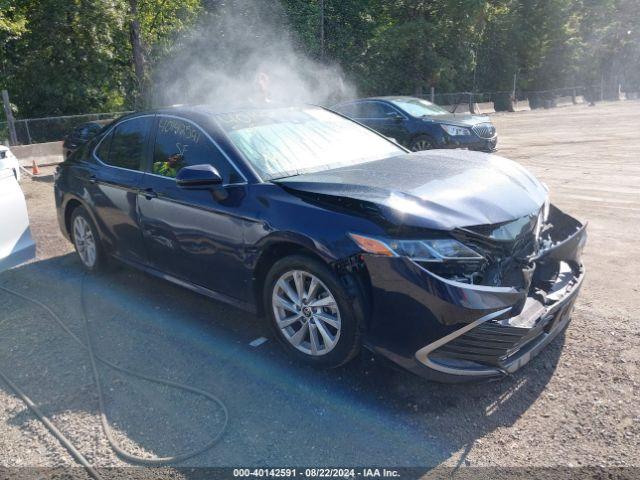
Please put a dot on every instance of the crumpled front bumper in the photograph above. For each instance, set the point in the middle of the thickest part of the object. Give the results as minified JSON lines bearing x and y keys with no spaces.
{"x":454,"y":332}
{"x":472,"y":142}
{"x":488,"y":347}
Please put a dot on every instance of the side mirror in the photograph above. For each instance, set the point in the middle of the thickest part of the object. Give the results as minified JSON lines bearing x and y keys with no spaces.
{"x":198,"y":176}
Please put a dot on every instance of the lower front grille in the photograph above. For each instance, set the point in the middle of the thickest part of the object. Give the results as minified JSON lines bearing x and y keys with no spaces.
{"x":492,"y":342}
{"x":484,"y":130}
{"x":489,"y":344}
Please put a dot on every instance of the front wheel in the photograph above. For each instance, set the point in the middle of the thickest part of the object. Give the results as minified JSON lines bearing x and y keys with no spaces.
{"x":311,"y":312}
{"x":421,"y":142}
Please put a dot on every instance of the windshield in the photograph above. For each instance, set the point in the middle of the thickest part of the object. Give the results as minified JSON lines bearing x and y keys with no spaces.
{"x":290,"y":141}
{"x":418,"y":107}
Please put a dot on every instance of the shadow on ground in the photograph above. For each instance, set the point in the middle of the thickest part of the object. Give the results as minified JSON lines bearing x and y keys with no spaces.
{"x":367,"y":413}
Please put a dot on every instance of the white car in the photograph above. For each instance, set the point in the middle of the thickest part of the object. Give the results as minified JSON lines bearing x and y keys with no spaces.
{"x":16,"y":243}
{"x":9,"y":160}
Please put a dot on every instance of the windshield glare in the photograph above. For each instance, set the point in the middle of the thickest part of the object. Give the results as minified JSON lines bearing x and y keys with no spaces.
{"x":418,"y":107}
{"x":284,"y":142}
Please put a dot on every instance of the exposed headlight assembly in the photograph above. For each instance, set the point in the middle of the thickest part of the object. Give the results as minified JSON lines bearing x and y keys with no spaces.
{"x":545,"y":209}
{"x":543,"y":216}
{"x":435,"y":250}
{"x":456,"y":131}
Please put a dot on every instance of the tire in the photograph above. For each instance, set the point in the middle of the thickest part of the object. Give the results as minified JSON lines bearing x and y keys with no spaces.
{"x":329,"y":292}
{"x":421,"y":142}
{"x":84,"y":234}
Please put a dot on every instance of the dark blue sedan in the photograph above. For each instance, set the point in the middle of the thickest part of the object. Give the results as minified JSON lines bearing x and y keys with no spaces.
{"x":421,"y":125}
{"x":451,"y":263}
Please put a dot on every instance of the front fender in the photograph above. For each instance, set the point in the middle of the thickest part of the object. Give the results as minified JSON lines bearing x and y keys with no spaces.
{"x":295,"y":238}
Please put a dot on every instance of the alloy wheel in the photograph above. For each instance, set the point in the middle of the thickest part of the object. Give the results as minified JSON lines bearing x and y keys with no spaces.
{"x":306,"y":312}
{"x":421,"y":144}
{"x":84,"y":241}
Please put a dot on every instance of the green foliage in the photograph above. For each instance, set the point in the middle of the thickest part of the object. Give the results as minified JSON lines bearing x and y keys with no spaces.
{"x":76,"y":56}
{"x":62,"y":60}
{"x":163,"y":20}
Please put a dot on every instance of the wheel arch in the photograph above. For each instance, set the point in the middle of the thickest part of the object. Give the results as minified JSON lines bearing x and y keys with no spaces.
{"x":274,"y":251}
{"x":356,"y":280}
{"x":70,"y":205}
{"x":422,"y":133}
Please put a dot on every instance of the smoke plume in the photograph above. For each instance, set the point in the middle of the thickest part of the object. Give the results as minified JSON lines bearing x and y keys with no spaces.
{"x":245,"y":51}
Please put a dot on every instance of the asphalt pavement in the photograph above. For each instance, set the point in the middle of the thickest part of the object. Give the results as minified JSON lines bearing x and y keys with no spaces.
{"x":574,"y":405}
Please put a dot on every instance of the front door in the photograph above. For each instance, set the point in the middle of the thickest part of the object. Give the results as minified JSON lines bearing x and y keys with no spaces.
{"x":383,"y":119}
{"x":193,"y":235}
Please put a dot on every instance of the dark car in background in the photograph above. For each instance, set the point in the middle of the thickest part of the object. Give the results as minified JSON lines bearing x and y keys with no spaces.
{"x":80,"y":135}
{"x":421,"y":125}
{"x":453,"y":264}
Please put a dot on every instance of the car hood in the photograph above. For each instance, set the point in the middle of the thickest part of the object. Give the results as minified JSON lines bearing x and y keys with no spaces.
{"x":461,"y":119}
{"x":437,"y":189}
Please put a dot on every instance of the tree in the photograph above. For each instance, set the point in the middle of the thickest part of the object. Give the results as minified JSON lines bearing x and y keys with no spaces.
{"x":153,"y":26}
{"x":78,"y":56}
{"x":13,"y":24}
{"x":418,"y":44}
{"x":63,"y":60}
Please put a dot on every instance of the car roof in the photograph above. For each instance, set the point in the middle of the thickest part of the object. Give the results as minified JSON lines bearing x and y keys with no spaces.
{"x":204,"y":112}
{"x":385,"y":98}
{"x":213,"y":109}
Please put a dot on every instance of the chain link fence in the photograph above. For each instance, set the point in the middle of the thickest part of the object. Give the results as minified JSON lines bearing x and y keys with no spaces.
{"x":52,"y":129}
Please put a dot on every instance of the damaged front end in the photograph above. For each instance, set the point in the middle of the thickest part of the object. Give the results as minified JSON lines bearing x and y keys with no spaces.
{"x":479,"y":317}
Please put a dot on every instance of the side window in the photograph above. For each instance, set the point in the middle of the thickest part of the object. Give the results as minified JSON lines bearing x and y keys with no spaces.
{"x":374,"y":110}
{"x":180,"y":144}
{"x":128,"y":143}
{"x":103,"y":150}
{"x":386,"y":110}
{"x":350,"y":110}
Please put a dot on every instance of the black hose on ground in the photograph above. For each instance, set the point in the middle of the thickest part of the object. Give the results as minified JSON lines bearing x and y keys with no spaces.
{"x":93,"y":358}
{"x":66,"y":443}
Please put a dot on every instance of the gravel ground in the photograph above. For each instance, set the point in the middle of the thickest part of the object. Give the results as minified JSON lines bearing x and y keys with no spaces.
{"x":574,"y":405}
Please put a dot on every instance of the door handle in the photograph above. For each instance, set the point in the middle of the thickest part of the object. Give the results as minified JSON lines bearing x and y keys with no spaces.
{"x":93,"y":179}
{"x":149,"y":193}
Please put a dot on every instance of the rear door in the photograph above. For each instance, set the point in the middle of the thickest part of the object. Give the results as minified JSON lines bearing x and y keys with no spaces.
{"x":193,"y":235}
{"x":113,"y":184}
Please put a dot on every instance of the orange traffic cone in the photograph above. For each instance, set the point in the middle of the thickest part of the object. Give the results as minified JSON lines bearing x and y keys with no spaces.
{"x":34,"y":168}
